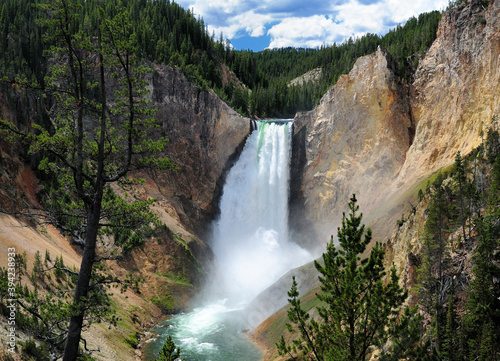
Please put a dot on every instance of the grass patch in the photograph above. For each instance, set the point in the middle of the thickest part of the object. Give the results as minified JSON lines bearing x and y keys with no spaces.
{"x":189,"y":254}
{"x":179,"y":279}
{"x":164,"y":300}
{"x":34,"y":352}
{"x":277,"y":328}
{"x":181,"y":240}
{"x":132,"y":340}
{"x":422,"y":185}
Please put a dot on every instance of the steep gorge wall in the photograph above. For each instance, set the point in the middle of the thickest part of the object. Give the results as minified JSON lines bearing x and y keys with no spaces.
{"x":354,"y":141}
{"x":205,"y":135}
{"x":205,"y":138}
{"x":456,"y":93}
{"x":376,"y":137}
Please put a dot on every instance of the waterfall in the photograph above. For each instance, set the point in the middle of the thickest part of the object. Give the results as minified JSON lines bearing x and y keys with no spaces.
{"x":251,"y":240}
{"x":252,"y":250}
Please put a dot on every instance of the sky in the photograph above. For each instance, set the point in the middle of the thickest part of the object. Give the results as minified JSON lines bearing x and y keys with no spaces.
{"x":263,"y":24}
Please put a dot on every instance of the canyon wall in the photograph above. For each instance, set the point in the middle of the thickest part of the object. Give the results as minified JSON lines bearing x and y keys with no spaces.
{"x":382,"y":139}
{"x":456,"y":93}
{"x":354,"y":141}
{"x":379,"y":138}
{"x":205,"y":138}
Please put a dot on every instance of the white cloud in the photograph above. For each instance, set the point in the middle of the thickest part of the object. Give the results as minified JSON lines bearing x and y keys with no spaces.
{"x":304,"y":32}
{"x":402,"y":10}
{"x":357,"y":18}
{"x":309,"y":23}
{"x":349,"y":19}
{"x":249,"y":22}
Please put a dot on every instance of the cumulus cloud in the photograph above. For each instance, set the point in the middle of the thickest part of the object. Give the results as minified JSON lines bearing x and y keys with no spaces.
{"x":310,"y":31}
{"x":248,"y":22}
{"x":309,"y":23}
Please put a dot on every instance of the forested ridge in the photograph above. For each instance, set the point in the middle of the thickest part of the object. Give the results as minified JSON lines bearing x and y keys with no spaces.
{"x":168,"y":33}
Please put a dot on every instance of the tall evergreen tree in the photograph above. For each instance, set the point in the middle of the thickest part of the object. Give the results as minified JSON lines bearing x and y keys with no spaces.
{"x":434,"y":281}
{"x":482,"y":319}
{"x":358,"y":306}
{"x":100,"y":131}
{"x":460,"y":178}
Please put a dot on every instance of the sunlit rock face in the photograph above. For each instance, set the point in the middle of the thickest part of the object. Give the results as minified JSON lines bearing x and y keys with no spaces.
{"x":456,"y":92}
{"x":373,"y":136}
{"x":354,"y":141}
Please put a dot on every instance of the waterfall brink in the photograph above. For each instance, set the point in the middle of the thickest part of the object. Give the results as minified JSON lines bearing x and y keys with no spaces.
{"x":251,"y":240}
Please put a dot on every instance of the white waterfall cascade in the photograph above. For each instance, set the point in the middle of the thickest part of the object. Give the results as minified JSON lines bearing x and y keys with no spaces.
{"x":251,"y":240}
{"x":252,"y":248}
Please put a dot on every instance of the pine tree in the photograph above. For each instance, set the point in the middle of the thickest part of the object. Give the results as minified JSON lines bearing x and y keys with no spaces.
{"x":482,"y":319}
{"x":460,"y":178}
{"x":451,"y":338}
{"x":101,"y":128}
{"x":433,"y":278}
{"x":169,"y":351}
{"x":358,"y":307}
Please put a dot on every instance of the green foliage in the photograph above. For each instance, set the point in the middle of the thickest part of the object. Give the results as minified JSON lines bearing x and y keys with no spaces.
{"x":58,"y":271}
{"x":169,"y":351}
{"x":21,"y":42}
{"x":492,"y":145}
{"x":6,"y":356}
{"x":37,"y":273}
{"x":358,"y":307}
{"x":21,"y":264}
{"x":450,"y":349}
{"x":34,"y":352}
{"x":132,"y":340}
{"x":44,"y":310}
{"x":167,"y":33}
{"x":464,"y":191}
{"x":483,"y":317}
{"x":464,"y":211}
{"x":181,"y":279}
{"x":433,"y":277}
{"x":164,"y":300}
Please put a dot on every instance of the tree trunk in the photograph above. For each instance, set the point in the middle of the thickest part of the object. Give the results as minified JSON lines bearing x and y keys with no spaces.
{"x":83,"y":285}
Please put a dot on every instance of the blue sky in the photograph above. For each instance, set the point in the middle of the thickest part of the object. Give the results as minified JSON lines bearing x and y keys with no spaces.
{"x":261,"y":24}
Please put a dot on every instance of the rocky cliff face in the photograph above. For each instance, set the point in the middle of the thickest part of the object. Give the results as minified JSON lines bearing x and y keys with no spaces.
{"x":205,"y":137}
{"x":354,"y":141}
{"x":373,"y":136}
{"x":455,"y":98}
{"x":456,"y":92}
